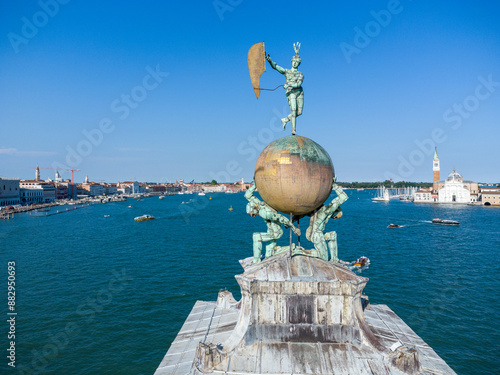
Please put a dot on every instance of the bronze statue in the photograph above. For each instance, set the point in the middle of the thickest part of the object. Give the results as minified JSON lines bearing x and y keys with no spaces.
{"x":293,"y":87}
{"x":273,"y":220}
{"x":318,"y":222}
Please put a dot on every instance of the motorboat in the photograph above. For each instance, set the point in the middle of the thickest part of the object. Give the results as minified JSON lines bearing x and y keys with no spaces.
{"x":144,"y":218}
{"x":393,"y":226}
{"x":360,"y":262}
{"x":445,"y":222}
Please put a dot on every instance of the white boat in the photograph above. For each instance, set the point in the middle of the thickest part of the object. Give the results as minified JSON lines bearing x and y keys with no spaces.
{"x":201,"y":193}
{"x":382,"y":195}
{"x":161,"y":197}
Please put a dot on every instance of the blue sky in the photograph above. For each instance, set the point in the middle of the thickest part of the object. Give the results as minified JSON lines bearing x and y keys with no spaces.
{"x":159,"y":91}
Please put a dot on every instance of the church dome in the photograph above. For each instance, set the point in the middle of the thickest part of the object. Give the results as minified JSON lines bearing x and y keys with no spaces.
{"x":455,"y":176}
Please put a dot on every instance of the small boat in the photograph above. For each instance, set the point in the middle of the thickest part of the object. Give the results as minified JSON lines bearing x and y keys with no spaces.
{"x":201,"y":194}
{"x":129,"y":206}
{"x":230,"y":208}
{"x":393,"y":226}
{"x":161,"y":197}
{"x":445,"y":222}
{"x":360,"y":262}
{"x":106,"y":215}
{"x":144,"y":218}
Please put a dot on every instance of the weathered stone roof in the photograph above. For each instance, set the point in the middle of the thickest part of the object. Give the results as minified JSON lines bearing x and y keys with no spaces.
{"x":298,"y":268}
{"x":298,"y":315}
{"x":209,"y":323}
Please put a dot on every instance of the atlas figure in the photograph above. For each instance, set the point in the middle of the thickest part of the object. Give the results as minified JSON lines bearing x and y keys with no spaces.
{"x":273,"y":220}
{"x":293,"y":87}
{"x":318,"y":222}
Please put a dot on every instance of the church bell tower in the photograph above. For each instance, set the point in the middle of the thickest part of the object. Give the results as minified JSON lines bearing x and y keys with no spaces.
{"x":435,"y":167}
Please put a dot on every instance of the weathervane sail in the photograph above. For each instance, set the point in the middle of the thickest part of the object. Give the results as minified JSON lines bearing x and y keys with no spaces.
{"x":256,"y":65}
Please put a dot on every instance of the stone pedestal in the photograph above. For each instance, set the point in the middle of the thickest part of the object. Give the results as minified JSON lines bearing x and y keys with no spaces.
{"x":301,"y":315}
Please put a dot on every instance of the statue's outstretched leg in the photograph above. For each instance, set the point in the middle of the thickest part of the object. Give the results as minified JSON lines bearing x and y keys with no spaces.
{"x":331,"y":237}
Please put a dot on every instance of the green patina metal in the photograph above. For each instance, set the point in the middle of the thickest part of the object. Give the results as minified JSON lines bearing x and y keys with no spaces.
{"x":273,"y":221}
{"x":294,"y":175}
{"x":293,"y":87}
{"x":305,"y":147}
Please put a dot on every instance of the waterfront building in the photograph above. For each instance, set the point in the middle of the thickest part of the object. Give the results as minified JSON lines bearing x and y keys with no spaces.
{"x":110,"y":189}
{"x":128,"y":187}
{"x":157,"y":188}
{"x":219,"y":188}
{"x":455,"y":190}
{"x":37,"y":191}
{"x":452,"y":190}
{"x":93,"y":189}
{"x":491,"y":198}
{"x":65,"y":189}
{"x":61,"y":190}
{"x":32,"y":195}
{"x":143,"y":188}
{"x":490,"y":195}
{"x":424,"y":196}
{"x":9,"y":192}
{"x":172,"y":188}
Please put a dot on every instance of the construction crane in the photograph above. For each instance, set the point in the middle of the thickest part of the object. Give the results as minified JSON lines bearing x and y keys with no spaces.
{"x":63,"y":169}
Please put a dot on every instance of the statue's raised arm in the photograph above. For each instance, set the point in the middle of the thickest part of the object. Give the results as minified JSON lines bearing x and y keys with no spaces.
{"x":274,"y":65}
{"x":336,"y":202}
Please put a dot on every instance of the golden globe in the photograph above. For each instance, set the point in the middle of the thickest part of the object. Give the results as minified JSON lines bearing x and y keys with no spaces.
{"x":294,"y":175}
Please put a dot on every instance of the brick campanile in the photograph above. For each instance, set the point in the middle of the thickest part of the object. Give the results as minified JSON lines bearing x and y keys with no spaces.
{"x":435,"y":167}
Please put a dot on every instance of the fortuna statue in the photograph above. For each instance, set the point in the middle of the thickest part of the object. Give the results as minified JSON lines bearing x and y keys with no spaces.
{"x":293,"y":87}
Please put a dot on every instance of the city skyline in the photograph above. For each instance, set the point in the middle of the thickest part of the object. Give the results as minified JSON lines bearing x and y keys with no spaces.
{"x":159,"y":93}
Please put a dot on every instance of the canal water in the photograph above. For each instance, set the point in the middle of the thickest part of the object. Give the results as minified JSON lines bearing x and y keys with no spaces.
{"x":97,"y":293}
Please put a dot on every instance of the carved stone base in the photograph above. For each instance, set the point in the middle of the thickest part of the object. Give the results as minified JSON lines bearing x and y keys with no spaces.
{"x":298,"y":309}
